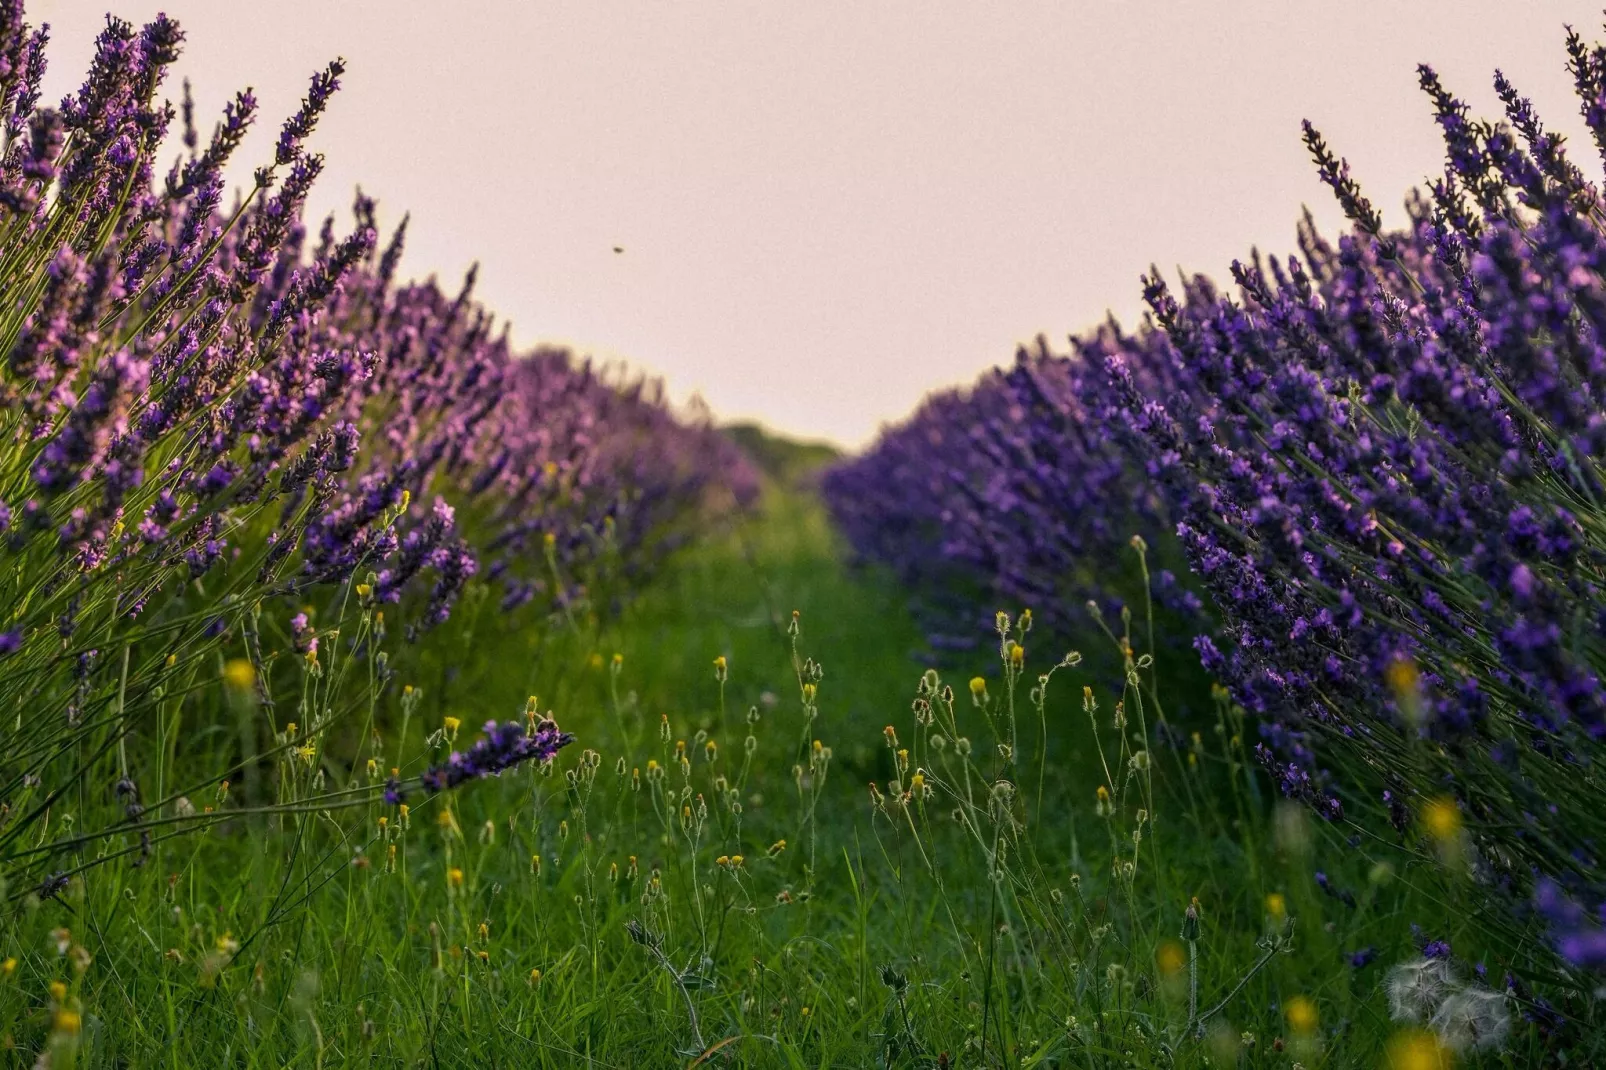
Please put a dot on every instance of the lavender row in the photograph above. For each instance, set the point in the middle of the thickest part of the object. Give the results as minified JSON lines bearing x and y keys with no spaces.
{"x":1008,"y":493}
{"x":1385,"y":461}
{"x":209,"y":408}
{"x":192,"y":389}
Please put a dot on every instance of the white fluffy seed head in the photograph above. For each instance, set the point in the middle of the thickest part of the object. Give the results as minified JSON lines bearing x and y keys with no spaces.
{"x":1473,"y":1018}
{"x":1417,"y":989}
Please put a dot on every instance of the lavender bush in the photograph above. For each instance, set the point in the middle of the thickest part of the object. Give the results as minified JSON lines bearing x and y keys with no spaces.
{"x":1384,"y":462}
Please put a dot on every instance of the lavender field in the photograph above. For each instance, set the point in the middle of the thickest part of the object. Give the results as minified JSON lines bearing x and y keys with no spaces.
{"x":1221,"y":689}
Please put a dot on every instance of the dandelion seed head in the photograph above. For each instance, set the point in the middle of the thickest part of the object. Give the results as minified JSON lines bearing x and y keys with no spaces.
{"x":1416,"y":989}
{"x":1473,"y":1018}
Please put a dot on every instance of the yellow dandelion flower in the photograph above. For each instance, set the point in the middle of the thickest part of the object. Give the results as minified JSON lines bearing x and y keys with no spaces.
{"x":1442,"y":818}
{"x":1402,"y":676}
{"x":454,"y":877}
{"x":1276,"y":905}
{"x":1301,"y":1015}
{"x":239,"y":674}
{"x":1417,"y":1049}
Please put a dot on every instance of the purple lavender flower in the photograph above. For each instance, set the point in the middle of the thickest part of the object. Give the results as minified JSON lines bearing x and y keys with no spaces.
{"x":503,"y":746}
{"x":1579,"y":939}
{"x":299,"y":125}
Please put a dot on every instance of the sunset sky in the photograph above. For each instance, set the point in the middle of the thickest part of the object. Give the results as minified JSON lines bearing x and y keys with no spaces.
{"x":828,"y":209}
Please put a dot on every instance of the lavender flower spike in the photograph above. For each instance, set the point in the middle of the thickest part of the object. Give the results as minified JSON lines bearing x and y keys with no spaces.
{"x":504,"y":746}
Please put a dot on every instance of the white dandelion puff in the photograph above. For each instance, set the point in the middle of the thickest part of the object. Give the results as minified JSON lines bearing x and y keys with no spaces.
{"x":1416,"y":989}
{"x":1473,"y":1018}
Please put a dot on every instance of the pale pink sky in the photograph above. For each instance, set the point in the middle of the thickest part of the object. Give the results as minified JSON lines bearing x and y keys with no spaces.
{"x":830,"y":208}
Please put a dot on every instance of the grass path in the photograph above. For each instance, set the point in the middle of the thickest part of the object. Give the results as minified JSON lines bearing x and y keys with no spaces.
{"x":688,"y":884}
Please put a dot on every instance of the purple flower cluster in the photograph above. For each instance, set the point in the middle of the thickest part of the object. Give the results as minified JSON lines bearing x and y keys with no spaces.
{"x":1384,"y":460}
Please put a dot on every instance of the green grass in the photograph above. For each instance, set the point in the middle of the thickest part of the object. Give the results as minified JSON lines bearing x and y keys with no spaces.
{"x":590,"y":914}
